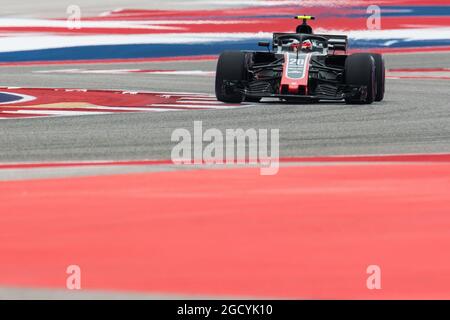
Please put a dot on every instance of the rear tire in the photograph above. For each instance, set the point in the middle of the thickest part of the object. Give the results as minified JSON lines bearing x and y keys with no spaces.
{"x":231,"y":66}
{"x":360,"y":71}
{"x":380,"y":73}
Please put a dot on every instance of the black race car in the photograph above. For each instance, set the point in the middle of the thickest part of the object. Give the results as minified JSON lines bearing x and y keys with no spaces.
{"x":301,"y":66}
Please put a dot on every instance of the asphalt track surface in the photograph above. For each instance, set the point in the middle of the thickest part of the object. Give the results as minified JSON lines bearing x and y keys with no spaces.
{"x":413,"y":118}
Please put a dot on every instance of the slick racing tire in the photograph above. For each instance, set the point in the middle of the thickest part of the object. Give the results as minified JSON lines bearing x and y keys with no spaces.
{"x":360,"y":71}
{"x":230,"y":67}
{"x":380,"y":74}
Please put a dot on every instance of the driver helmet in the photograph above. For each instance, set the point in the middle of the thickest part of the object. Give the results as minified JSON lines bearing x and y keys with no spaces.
{"x":307,"y":45}
{"x":294,"y":45}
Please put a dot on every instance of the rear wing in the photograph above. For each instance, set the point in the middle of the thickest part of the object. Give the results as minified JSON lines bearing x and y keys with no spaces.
{"x":336,"y":42}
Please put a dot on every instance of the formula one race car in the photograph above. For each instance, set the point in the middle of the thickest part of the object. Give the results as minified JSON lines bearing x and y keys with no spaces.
{"x":301,"y":66}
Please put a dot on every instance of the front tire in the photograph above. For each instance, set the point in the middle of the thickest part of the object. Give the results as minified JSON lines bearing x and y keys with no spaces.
{"x":231,"y":66}
{"x":380,"y":75}
{"x":360,"y":71}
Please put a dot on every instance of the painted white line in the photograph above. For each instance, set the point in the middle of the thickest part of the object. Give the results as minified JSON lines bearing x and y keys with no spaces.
{"x":38,"y":42}
{"x":130,"y":71}
{"x":424,"y":78}
{"x":30,"y":117}
{"x":180,"y":94}
{"x":44,"y":23}
{"x":163,"y":109}
{"x":199,"y":99}
{"x":57,"y":112}
{"x":189,"y":106}
{"x":116,"y":108}
{"x":200,"y":102}
{"x":93,"y":71}
{"x":181,"y":73}
{"x":58,"y":71}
